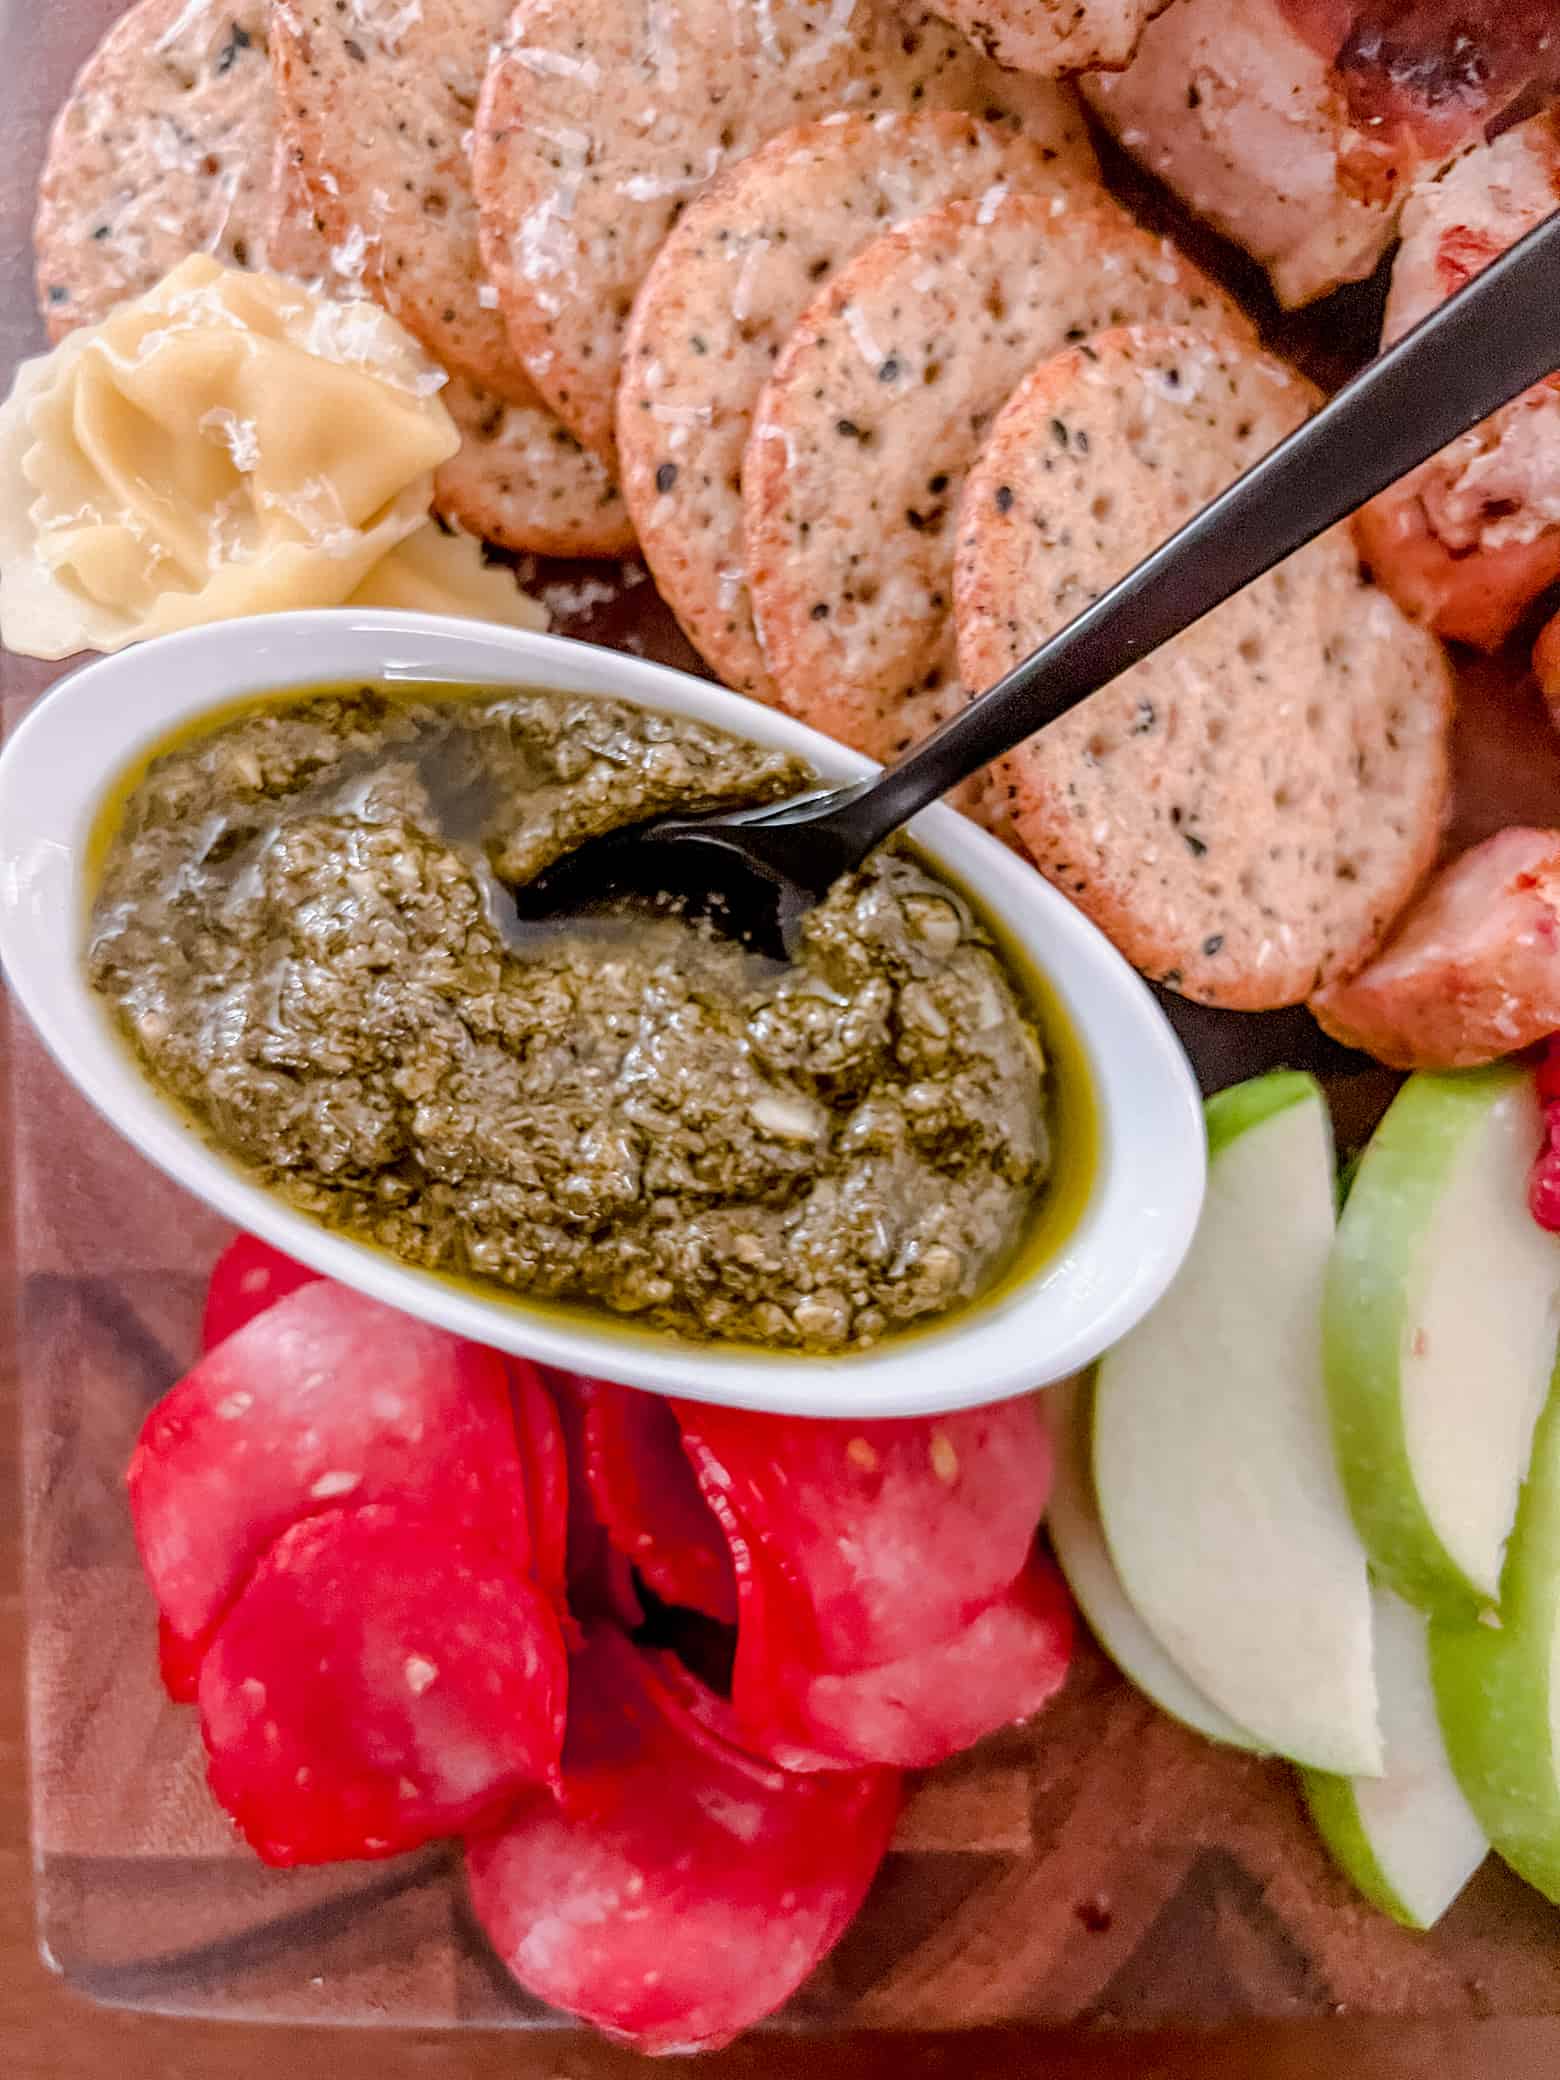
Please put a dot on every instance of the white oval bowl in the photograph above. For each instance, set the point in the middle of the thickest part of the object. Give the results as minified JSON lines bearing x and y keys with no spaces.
{"x":1121,"y":1254}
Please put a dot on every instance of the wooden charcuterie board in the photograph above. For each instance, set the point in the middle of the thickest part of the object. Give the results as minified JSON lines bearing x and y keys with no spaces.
{"x":1104,"y":1866}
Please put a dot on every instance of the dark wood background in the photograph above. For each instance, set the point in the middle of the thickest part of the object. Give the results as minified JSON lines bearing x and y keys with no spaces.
{"x":47,"y":2033}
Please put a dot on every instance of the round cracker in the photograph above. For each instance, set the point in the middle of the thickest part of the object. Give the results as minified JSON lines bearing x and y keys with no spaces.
{"x":522,"y":480}
{"x":1246,"y":811}
{"x":600,"y":121}
{"x":376,"y":101}
{"x":1055,"y":36}
{"x":877,"y":409}
{"x":162,"y":149}
{"x":721,"y":300}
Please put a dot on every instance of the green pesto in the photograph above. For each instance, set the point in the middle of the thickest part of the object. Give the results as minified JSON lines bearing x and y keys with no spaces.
{"x":299,"y":923}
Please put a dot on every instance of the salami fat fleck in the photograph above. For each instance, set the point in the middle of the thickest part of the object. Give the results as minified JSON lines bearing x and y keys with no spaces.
{"x":676,"y":1890}
{"x":382,"y":1680}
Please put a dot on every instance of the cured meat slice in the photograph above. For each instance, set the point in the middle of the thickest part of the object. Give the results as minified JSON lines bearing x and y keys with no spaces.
{"x":935,"y":1701}
{"x":676,"y":1890}
{"x":247,"y":1278}
{"x":1297,"y":127}
{"x":382,"y":1680}
{"x":251,"y":1276}
{"x":325,"y":1398}
{"x":1474,"y":970}
{"x":1546,"y":667}
{"x":889,"y":1609}
{"x":600,"y":1578}
{"x":1468,"y":541}
{"x":1434,"y":70}
{"x":178,"y":1663}
{"x":912,"y":1712}
{"x":647,"y":1497}
{"x":544,"y":1468}
{"x":892,"y":1534}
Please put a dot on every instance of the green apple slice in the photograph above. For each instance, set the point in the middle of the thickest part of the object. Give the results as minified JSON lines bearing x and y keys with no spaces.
{"x":1408,"y":1839}
{"x":1442,"y":1311}
{"x":1497,"y":1683}
{"x":1078,"y":1541}
{"x":1213,"y":1462}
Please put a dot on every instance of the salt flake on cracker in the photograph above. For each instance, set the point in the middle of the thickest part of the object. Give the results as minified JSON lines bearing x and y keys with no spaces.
{"x":376,"y":105}
{"x":579,"y":183}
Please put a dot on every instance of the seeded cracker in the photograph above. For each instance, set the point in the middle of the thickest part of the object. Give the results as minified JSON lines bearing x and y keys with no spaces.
{"x":718,"y":305}
{"x":162,"y":149}
{"x":875,"y":412}
{"x":1052,"y":36}
{"x":1247,"y":811}
{"x":520,"y":478}
{"x":377,"y":100}
{"x":600,"y":122}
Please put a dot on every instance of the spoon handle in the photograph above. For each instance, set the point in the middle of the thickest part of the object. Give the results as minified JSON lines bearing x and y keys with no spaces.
{"x":1484,"y":346}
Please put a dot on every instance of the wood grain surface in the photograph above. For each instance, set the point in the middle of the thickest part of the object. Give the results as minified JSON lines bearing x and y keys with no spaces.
{"x":1107,"y":1863}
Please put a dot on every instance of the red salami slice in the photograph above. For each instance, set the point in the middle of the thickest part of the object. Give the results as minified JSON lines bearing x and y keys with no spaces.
{"x":677,"y":1891}
{"x":601,"y":1580}
{"x":248,"y":1277}
{"x":893,"y":1535}
{"x":544,"y":1468}
{"x":382,"y":1680}
{"x":646,"y":1496}
{"x":178,"y":1663}
{"x":1005,"y":1666}
{"x":325,"y":1398}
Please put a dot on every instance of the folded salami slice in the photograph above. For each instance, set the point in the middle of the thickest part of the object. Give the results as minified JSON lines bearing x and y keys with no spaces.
{"x":383,"y":1679}
{"x":645,"y":1494}
{"x":676,"y":1891}
{"x":600,"y":1578}
{"x":325,"y":1398}
{"x":544,"y":1468}
{"x":247,"y":1278}
{"x":893,"y":1535}
{"x":935,"y":1701}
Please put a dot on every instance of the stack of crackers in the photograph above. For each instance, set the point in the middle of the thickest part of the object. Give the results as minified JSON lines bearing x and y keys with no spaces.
{"x":833,"y":317}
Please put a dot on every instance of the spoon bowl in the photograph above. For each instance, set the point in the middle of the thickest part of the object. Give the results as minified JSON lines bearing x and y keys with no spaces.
{"x":750,"y":873}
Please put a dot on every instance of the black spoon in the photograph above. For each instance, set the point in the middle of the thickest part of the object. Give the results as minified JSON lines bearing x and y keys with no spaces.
{"x":757,"y":872}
